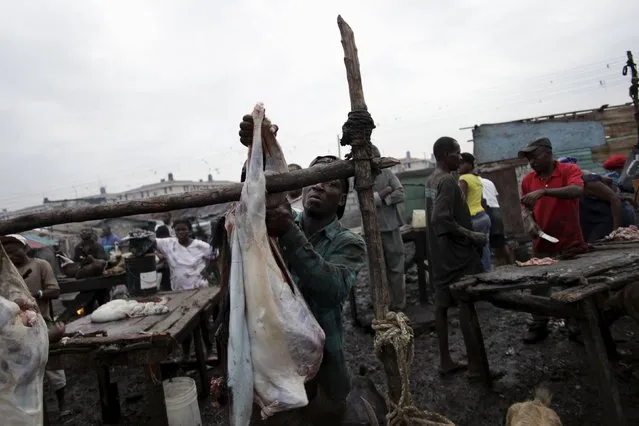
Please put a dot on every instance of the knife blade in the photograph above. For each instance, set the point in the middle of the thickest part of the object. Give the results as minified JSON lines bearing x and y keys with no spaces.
{"x":547,"y":237}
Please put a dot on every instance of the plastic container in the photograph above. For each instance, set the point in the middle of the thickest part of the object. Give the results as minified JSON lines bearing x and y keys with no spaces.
{"x":419,"y":219}
{"x":180,"y":396}
{"x":141,"y":275}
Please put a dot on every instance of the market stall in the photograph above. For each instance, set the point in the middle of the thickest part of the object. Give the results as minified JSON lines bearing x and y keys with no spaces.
{"x":142,"y":342}
{"x":582,"y":282}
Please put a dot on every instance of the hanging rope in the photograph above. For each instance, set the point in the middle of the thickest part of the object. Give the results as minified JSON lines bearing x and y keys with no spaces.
{"x":394,"y":330}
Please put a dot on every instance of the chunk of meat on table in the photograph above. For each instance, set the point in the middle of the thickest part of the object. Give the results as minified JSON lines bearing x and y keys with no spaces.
{"x":538,"y":262}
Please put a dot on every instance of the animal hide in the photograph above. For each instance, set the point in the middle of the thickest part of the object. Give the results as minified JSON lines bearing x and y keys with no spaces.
{"x":272,"y":332}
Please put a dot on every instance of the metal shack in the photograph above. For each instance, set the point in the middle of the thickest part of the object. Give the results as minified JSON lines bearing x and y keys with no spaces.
{"x":591,"y":136}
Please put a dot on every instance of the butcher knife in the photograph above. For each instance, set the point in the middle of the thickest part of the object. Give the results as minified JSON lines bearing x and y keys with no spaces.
{"x":547,"y":237}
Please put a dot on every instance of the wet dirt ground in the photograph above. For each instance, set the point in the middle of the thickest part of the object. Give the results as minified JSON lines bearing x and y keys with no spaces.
{"x":558,"y":362}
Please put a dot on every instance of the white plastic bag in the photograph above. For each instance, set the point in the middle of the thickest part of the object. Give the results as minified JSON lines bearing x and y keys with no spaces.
{"x":286,"y":343}
{"x":24,"y":350}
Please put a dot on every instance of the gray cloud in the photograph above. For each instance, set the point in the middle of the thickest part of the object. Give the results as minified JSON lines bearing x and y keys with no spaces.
{"x":121,"y":93}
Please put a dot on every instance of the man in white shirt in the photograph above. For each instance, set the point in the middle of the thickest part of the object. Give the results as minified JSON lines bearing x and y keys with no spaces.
{"x":497,"y":237}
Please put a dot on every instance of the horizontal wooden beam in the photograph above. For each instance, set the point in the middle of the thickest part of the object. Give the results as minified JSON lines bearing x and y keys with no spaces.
{"x":534,"y":304}
{"x":222,"y":193}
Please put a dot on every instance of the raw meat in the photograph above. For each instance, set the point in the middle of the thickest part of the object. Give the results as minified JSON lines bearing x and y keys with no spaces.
{"x":24,"y":350}
{"x":271,"y":329}
{"x":538,"y":262}
{"x":631,"y":233}
{"x":119,"y":309}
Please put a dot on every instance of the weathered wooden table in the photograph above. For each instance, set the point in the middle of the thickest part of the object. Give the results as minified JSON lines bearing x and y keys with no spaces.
{"x":136,"y":342}
{"x":581,"y":280}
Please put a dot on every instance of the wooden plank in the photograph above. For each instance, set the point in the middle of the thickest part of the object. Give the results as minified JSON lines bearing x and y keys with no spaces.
{"x":533,"y":304}
{"x":574,"y":294}
{"x":184,"y":325}
{"x":482,"y":288}
{"x":124,"y":329}
{"x":221,"y":193}
{"x":128,"y":331}
{"x":600,"y":366}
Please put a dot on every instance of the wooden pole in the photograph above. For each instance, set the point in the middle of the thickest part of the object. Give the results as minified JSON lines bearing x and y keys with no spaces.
{"x":633,"y":91}
{"x":222,"y":193}
{"x":361,"y":155}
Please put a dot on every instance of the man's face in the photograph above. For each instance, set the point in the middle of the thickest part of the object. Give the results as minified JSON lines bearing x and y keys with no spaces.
{"x":182,"y":232}
{"x":86,"y":235}
{"x":16,"y":252}
{"x":540,"y":160}
{"x":453,"y":159}
{"x":322,"y":200}
{"x":106,"y":231}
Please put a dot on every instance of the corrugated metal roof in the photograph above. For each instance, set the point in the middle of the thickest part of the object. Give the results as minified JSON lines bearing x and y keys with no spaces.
{"x":39,"y":239}
{"x":584,"y":159}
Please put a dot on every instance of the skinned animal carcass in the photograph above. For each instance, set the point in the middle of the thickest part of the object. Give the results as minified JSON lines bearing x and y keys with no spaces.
{"x":24,"y":350}
{"x":275,"y":343}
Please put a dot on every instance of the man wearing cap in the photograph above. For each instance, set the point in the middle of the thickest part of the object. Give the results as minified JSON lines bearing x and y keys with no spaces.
{"x":550,"y":203}
{"x":324,"y":259}
{"x":39,"y":278}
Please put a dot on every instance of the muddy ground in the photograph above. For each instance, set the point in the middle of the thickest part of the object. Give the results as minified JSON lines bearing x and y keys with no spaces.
{"x":559,"y":362}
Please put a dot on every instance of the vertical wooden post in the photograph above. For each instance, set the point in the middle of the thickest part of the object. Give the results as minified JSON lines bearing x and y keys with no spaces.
{"x":362,"y":155}
{"x":603,"y":372}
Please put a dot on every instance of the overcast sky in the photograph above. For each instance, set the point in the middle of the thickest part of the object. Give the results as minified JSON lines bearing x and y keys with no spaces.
{"x":120,"y":93}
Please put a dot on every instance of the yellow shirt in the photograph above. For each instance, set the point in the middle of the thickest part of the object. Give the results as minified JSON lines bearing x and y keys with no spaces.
{"x":475,"y":189}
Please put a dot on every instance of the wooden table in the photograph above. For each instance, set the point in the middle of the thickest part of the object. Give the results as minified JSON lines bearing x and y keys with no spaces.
{"x":611,"y":267}
{"x":136,"y":342}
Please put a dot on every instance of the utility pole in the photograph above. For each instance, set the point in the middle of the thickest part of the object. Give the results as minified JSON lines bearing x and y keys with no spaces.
{"x":339,"y":148}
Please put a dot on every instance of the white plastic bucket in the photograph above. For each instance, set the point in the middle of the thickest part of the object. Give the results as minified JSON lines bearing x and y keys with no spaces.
{"x":419,"y":219}
{"x":180,"y":395}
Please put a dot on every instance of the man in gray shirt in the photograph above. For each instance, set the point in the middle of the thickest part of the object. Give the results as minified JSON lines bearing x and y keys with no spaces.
{"x":389,"y":199}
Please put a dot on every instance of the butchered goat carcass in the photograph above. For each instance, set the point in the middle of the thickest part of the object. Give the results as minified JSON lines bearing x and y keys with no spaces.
{"x":24,"y":350}
{"x":275,"y":344}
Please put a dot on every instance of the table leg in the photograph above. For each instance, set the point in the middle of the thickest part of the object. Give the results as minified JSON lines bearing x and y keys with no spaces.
{"x":200,"y":358}
{"x":604,"y":375}
{"x":420,"y":256}
{"x":109,"y":398}
{"x":156,"y":402}
{"x":476,"y":351}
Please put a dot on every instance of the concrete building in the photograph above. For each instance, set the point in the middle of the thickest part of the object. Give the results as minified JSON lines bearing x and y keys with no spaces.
{"x":409,"y":163}
{"x":168,"y":186}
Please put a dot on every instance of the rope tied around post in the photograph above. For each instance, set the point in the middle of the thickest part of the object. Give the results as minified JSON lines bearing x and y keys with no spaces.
{"x":395,"y":330}
{"x":356,"y":132}
{"x":357,"y":129}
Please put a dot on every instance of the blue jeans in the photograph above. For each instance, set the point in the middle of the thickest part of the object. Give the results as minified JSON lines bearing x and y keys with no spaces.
{"x":481,"y":223}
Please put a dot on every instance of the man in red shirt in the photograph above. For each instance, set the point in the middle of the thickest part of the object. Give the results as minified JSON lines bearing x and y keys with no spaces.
{"x":550,"y":203}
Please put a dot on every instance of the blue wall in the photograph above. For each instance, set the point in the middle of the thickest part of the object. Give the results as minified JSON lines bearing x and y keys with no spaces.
{"x":495,"y":142}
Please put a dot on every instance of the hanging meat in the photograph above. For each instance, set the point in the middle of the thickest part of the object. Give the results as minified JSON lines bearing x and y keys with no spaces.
{"x":24,"y":350}
{"x":275,"y":343}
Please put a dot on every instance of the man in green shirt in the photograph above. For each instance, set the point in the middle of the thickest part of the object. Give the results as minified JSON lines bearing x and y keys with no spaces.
{"x":323,"y":258}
